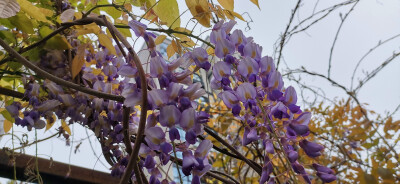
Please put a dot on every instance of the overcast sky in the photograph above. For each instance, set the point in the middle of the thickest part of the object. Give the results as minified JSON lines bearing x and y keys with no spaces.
{"x":370,"y":22}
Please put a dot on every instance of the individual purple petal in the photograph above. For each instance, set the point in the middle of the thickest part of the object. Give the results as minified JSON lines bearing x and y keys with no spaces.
{"x":237,"y":37}
{"x":246,"y":91}
{"x":302,"y":130}
{"x":196,"y":180}
{"x":149,"y":162}
{"x":169,"y":115}
{"x":166,"y":147}
{"x":188,"y":162}
{"x":224,"y":47}
{"x":110,"y":71}
{"x":275,"y":80}
{"x":327,"y":178}
{"x":247,"y":66}
{"x":275,"y":95}
{"x":200,"y":57}
{"x":228,"y":98}
{"x":267,"y":65}
{"x":187,"y":119}
{"x":303,"y":119}
{"x":292,"y":156}
{"x":250,"y":135}
{"x":174,"y":90}
{"x":190,"y":137}
{"x":312,"y":149}
{"x":227,"y":27}
{"x":203,"y":149}
{"x":13,"y":109}
{"x":67,"y":99}
{"x":47,"y":105}
{"x":127,"y":71}
{"x":252,"y":50}
{"x":221,"y":69}
{"x":290,"y":96}
{"x":157,"y":66}
{"x":194,"y":91}
{"x":154,"y":137}
{"x":280,"y":111}
{"x":269,"y":147}
{"x":157,"y":98}
{"x":174,"y":134}
{"x":322,"y":169}
{"x":137,"y":27}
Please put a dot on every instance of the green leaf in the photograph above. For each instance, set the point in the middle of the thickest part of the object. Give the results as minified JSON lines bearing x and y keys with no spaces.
{"x":168,"y":12}
{"x":15,"y":66}
{"x":113,"y":12}
{"x":7,"y":115}
{"x":8,"y":37}
{"x":23,"y":23}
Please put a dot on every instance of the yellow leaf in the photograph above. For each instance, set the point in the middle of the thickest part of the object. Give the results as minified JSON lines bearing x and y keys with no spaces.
{"x":186,"y":41}
{"x":33,"y":11}
{"x":168,"y":12}
{"x":106,"y":42}
{"x":200,"y":11}
{"x":50,"y":122}
{"x":170,"y":51}
{"x":65,"y":127}
{"x":227,"y":4}
{"x":78,"y":60}
{"x":160,"y":39}
{"x":256,"y":3}
{"x":46,"y":12}
{"x":86,"y":29}
{"x":7,"y":125}
{"x":238,"y":16}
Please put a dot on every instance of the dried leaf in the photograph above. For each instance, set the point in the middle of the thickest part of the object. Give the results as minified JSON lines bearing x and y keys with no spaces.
{"x":8,"y":8}
{"x":78,"y":60}
{"x":200,"y":11}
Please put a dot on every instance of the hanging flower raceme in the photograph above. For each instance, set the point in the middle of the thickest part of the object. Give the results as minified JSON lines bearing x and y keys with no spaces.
{"x":251,"y":81}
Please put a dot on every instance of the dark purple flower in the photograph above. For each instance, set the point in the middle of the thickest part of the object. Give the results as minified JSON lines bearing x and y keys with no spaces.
{"x":174,"y":134}
{"x":312,"y":149}
{"x":324,"y":173}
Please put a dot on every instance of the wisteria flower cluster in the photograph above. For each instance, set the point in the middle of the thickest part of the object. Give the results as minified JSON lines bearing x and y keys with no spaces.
{"x":248,"y":84}
{"x":252,"y":88}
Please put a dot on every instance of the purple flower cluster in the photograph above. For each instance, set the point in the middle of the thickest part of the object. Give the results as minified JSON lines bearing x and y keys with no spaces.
{"x":252,"y":88}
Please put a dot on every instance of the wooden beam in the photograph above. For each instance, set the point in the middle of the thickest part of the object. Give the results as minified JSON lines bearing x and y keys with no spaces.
{"x":51,"y":171}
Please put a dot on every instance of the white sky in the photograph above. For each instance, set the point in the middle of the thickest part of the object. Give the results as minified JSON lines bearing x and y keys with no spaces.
{"x":370,"y":22}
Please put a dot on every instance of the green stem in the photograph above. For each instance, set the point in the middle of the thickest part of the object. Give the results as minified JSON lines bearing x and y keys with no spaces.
{"x":176,"y":162}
